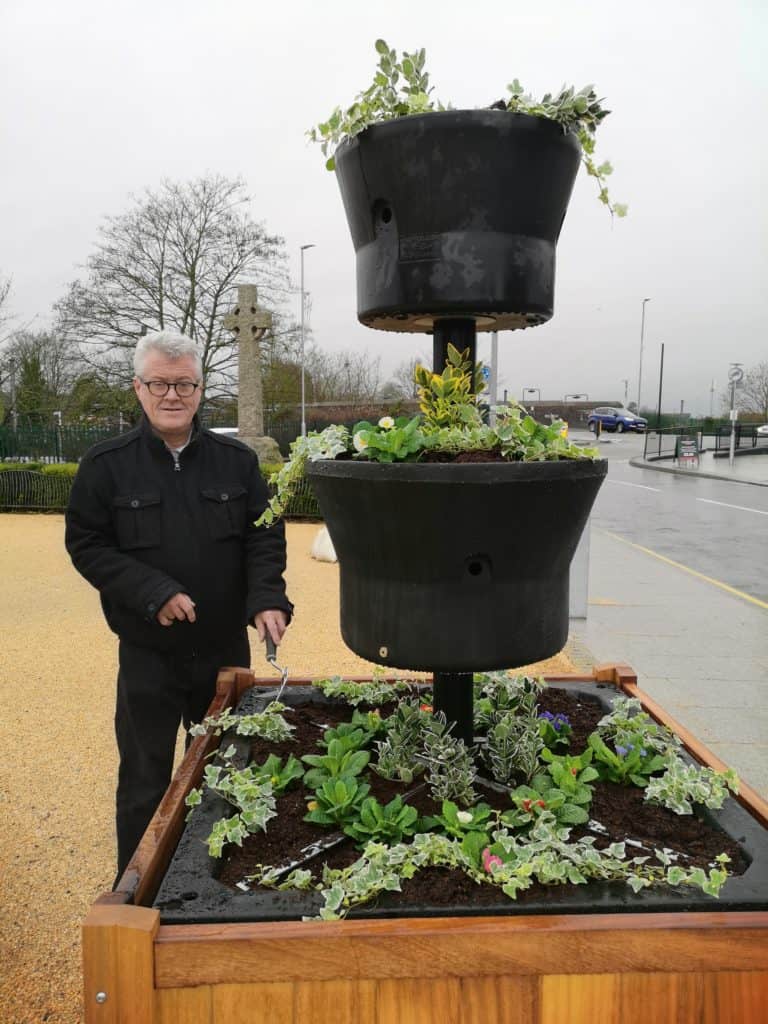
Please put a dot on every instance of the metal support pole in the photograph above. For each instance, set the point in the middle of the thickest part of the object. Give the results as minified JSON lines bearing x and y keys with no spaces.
{"x":661,"y":378}
{"x":640,"y":370}
{"x":732,"y":448}
{"x":493,"y":384}
{"x":452,"y":691}
{"x":303,"y":396}
{"x":459,"y":332}
{"x":452,"y":694}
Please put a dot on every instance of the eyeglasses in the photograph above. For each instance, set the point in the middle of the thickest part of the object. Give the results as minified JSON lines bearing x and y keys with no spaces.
{"x":160,"y":388}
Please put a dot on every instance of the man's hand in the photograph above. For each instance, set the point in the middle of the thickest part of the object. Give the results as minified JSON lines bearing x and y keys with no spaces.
{"x":180,"y":606}
{"x":274,"y":620}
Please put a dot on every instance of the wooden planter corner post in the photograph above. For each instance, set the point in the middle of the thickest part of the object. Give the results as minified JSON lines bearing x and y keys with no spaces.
{"x":669,"y":968}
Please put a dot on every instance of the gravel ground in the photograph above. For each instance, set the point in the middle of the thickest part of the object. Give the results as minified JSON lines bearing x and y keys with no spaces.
{"x":57,"y":669}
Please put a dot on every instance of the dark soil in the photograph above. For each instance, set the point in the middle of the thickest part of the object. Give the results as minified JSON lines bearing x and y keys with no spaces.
{"x":620,"y":810}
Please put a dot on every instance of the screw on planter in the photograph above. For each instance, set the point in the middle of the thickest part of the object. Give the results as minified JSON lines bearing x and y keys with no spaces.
{"x":101,"y":997}
{"x":476,"y":257}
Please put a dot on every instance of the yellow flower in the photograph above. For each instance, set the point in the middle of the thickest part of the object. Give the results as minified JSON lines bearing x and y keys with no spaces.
{"x":359,"y":442}
{"x":312,"y":805}
{"x":386,"y":422}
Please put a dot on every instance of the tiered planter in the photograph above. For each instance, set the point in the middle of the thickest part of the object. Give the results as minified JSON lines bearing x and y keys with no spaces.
{"x":526,"y":969}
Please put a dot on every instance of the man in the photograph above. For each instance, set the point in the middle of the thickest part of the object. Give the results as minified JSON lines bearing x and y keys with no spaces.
{"x":160,"y":521}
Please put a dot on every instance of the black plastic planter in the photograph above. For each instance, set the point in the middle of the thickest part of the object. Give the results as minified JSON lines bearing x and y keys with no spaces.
{"x":455,"y":567}
{"x":191,"y":892}
{"x":457,"y":213}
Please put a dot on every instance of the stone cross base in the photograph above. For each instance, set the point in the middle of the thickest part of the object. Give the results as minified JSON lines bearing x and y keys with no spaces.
{"x":266,"y":448}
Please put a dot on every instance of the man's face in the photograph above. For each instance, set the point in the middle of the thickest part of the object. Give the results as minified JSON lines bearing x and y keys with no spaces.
{"x":170,"y":415}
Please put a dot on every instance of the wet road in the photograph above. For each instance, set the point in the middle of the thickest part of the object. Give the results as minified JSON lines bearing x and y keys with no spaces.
{"x":716,"y":528}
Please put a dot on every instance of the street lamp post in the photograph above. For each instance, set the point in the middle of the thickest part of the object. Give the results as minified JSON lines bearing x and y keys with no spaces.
{"x":640,"y":370}
{"x":302,"y":249}
{"x":532,"y":391}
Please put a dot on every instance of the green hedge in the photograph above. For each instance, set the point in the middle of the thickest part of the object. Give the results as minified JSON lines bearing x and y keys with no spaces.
{"x":38,"y":486}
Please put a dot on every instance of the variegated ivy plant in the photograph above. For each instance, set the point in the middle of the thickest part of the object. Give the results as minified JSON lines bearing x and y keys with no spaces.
{"x":401,"y":86}
{"x":450,"y":422}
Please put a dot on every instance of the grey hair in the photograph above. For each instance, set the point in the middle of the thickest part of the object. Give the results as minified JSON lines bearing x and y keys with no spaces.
{"x":167,"y":343}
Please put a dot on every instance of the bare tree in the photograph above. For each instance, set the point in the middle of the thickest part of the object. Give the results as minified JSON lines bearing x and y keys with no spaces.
{"x":752,"y":396}
{"x":5,"y":291}
{"x":37,"y":369}
{"x":173,"y":262}
{"x":401,"y":384}
{"x":341,"y":376}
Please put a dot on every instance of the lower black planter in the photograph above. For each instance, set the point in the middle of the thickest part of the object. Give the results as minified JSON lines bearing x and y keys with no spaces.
{"x":455,"y":567}
{"x":192,"y":893}
{"x":457,"y":213}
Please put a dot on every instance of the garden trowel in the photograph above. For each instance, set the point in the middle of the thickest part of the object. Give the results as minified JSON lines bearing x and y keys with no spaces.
{"x":272,"y":659}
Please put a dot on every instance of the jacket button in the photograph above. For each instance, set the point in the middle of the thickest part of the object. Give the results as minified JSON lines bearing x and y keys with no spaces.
{"x":225,"y":497}
{"x":152,"y":607}
{"x":134,"y":504}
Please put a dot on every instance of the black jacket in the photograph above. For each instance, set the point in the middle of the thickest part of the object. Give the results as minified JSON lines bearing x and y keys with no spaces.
{"x":141,"y":531}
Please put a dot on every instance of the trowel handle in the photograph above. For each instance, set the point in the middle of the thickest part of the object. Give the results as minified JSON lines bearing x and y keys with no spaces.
{"x":271,"y":647}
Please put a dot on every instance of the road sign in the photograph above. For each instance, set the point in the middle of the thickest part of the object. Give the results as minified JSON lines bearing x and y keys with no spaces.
{"x":735,"y":375}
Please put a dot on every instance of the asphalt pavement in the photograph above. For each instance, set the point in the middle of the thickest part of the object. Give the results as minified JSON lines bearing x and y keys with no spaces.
{"x":678,"y":589}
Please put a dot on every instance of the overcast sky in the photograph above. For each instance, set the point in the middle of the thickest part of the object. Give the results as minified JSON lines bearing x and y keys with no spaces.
{"x":102,"y":99}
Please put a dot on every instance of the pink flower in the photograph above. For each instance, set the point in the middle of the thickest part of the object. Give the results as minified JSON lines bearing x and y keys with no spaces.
{"x":491,"y":861}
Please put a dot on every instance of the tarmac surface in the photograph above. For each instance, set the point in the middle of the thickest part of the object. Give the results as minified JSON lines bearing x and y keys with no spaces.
{"x":686,"y":606}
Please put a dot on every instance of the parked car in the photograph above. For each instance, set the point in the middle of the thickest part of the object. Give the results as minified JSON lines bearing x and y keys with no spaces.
{"x":762,"y":431}
{"x":615,"y":419}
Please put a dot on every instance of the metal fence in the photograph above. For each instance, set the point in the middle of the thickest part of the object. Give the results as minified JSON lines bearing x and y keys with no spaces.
{"x":50,"y":444}
{"x":70,"y":443}
{"x":662,"y":444}
{"x":23,"y":490}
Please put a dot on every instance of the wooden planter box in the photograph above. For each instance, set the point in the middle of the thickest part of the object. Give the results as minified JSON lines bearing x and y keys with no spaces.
{"x":671,"y":968}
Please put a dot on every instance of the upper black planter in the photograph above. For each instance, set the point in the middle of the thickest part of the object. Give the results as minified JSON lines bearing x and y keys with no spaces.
{"x":457,"y":213}
{"x":467,"y":571}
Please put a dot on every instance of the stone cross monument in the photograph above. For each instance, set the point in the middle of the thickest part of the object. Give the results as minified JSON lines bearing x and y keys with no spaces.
{"x":249,"y":323}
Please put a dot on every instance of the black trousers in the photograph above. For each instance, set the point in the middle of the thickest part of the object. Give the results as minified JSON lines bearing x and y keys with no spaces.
{"x":155,"y":693}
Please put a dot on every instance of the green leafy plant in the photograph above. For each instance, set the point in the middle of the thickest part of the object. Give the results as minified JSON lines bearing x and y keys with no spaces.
{"x":498,"y":694}
{"x":401,"y":87}
{"x":683,"y":785}
{"x":446,"y":399}
{"x":337,"y":801}
{"x":627,"y":721}
{"x":513,"y":745}
{"x":351,"y":737}
{"x":386,"y":823}
{"x":339,"y":761}
{"x":247,"y":789}
{"x":269,"y":724}
{"x":457,"y":823}
{"x":529,"y":804}
{"x":624,"y":764}
{"x":396,"y":755}
{"x":555,"y":729}
{"x":374,"y":692}
{"x":280,"y":776}
{"x":570,"y":773}
{"x":391,"y":440}
{"x":450,"y":766}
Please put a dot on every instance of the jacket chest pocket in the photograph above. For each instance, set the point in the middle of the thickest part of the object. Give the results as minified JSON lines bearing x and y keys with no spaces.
{"x":138,"y":521}
{"x":225,"y":510}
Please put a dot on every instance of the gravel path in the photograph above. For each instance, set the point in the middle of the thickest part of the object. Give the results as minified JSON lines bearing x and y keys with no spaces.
{"x":57,"y":669}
